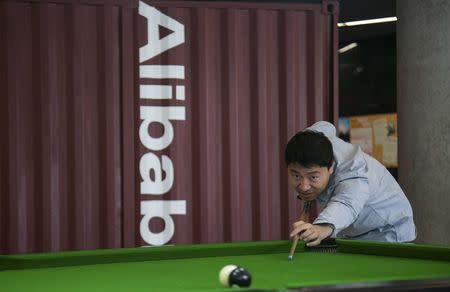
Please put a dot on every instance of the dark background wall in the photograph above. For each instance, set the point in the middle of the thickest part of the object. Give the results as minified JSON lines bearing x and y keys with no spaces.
{"x":367,"y":77}
{"x":367,"y":73}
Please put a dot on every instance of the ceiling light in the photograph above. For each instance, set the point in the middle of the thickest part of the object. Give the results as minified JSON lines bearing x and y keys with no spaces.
{"x":368,"y":21}
{"x":347,"y":48}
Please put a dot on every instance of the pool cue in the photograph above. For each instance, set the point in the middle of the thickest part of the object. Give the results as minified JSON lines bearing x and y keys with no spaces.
{"x":303,"y":217}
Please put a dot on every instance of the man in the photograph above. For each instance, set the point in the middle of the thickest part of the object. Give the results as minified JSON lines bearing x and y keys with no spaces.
{"x":361,"y":199}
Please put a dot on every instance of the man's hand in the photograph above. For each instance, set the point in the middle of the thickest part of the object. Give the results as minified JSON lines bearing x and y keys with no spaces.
{"x":312,"y":234}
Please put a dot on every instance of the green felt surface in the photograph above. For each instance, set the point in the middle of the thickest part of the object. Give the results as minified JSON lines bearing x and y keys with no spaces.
{"x":162,"y":269}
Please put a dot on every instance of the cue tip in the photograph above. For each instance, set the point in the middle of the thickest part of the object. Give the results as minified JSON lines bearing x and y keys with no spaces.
{"x":290,"y":258}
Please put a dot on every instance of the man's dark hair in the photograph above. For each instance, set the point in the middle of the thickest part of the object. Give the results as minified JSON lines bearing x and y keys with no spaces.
{"x":309,"y":148}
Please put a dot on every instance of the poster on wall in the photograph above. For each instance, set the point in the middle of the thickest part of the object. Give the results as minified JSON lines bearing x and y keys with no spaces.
{"x":377,"y":136}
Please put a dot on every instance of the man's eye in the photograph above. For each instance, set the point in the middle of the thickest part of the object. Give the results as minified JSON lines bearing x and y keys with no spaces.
{"x":314,"y":177}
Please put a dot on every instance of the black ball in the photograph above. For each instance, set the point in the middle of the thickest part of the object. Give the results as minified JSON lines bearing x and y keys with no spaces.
{"x":240,"y":277}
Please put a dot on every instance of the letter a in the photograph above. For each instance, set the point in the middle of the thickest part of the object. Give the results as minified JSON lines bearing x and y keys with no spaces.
{"x":155,"y":45}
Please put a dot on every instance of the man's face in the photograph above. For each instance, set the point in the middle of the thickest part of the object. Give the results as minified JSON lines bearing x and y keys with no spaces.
{"x":308,"y":182}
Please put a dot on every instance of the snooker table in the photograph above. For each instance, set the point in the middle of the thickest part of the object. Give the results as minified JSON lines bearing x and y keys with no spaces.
{"x":356,"y":266}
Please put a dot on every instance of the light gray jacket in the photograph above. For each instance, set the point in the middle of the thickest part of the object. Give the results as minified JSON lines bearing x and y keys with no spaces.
{"x":362,"y":199}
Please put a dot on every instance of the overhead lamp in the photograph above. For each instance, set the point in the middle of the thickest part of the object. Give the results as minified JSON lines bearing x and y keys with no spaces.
{"x":347,"y":48}
{"x":367,"y":21}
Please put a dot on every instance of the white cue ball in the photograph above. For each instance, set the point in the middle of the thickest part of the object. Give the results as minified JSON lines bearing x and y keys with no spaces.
{"x":225,"y":273}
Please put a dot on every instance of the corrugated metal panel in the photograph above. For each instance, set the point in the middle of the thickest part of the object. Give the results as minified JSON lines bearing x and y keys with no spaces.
{"x":70,"y":152}
{"x":62,"y":176}
{"x":254,"y":75}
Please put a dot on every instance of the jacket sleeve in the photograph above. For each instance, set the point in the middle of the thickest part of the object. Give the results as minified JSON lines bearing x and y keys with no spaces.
{"x":345,"y":204}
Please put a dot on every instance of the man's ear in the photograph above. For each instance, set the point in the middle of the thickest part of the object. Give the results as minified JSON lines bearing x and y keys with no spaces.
{"x":331,"y":169}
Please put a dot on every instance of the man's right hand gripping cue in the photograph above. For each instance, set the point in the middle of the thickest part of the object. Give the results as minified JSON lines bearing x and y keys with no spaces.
{"x":312,"y":234}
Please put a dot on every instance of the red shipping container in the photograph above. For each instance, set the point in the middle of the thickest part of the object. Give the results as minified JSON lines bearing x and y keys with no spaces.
{"x":128,"y":123}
